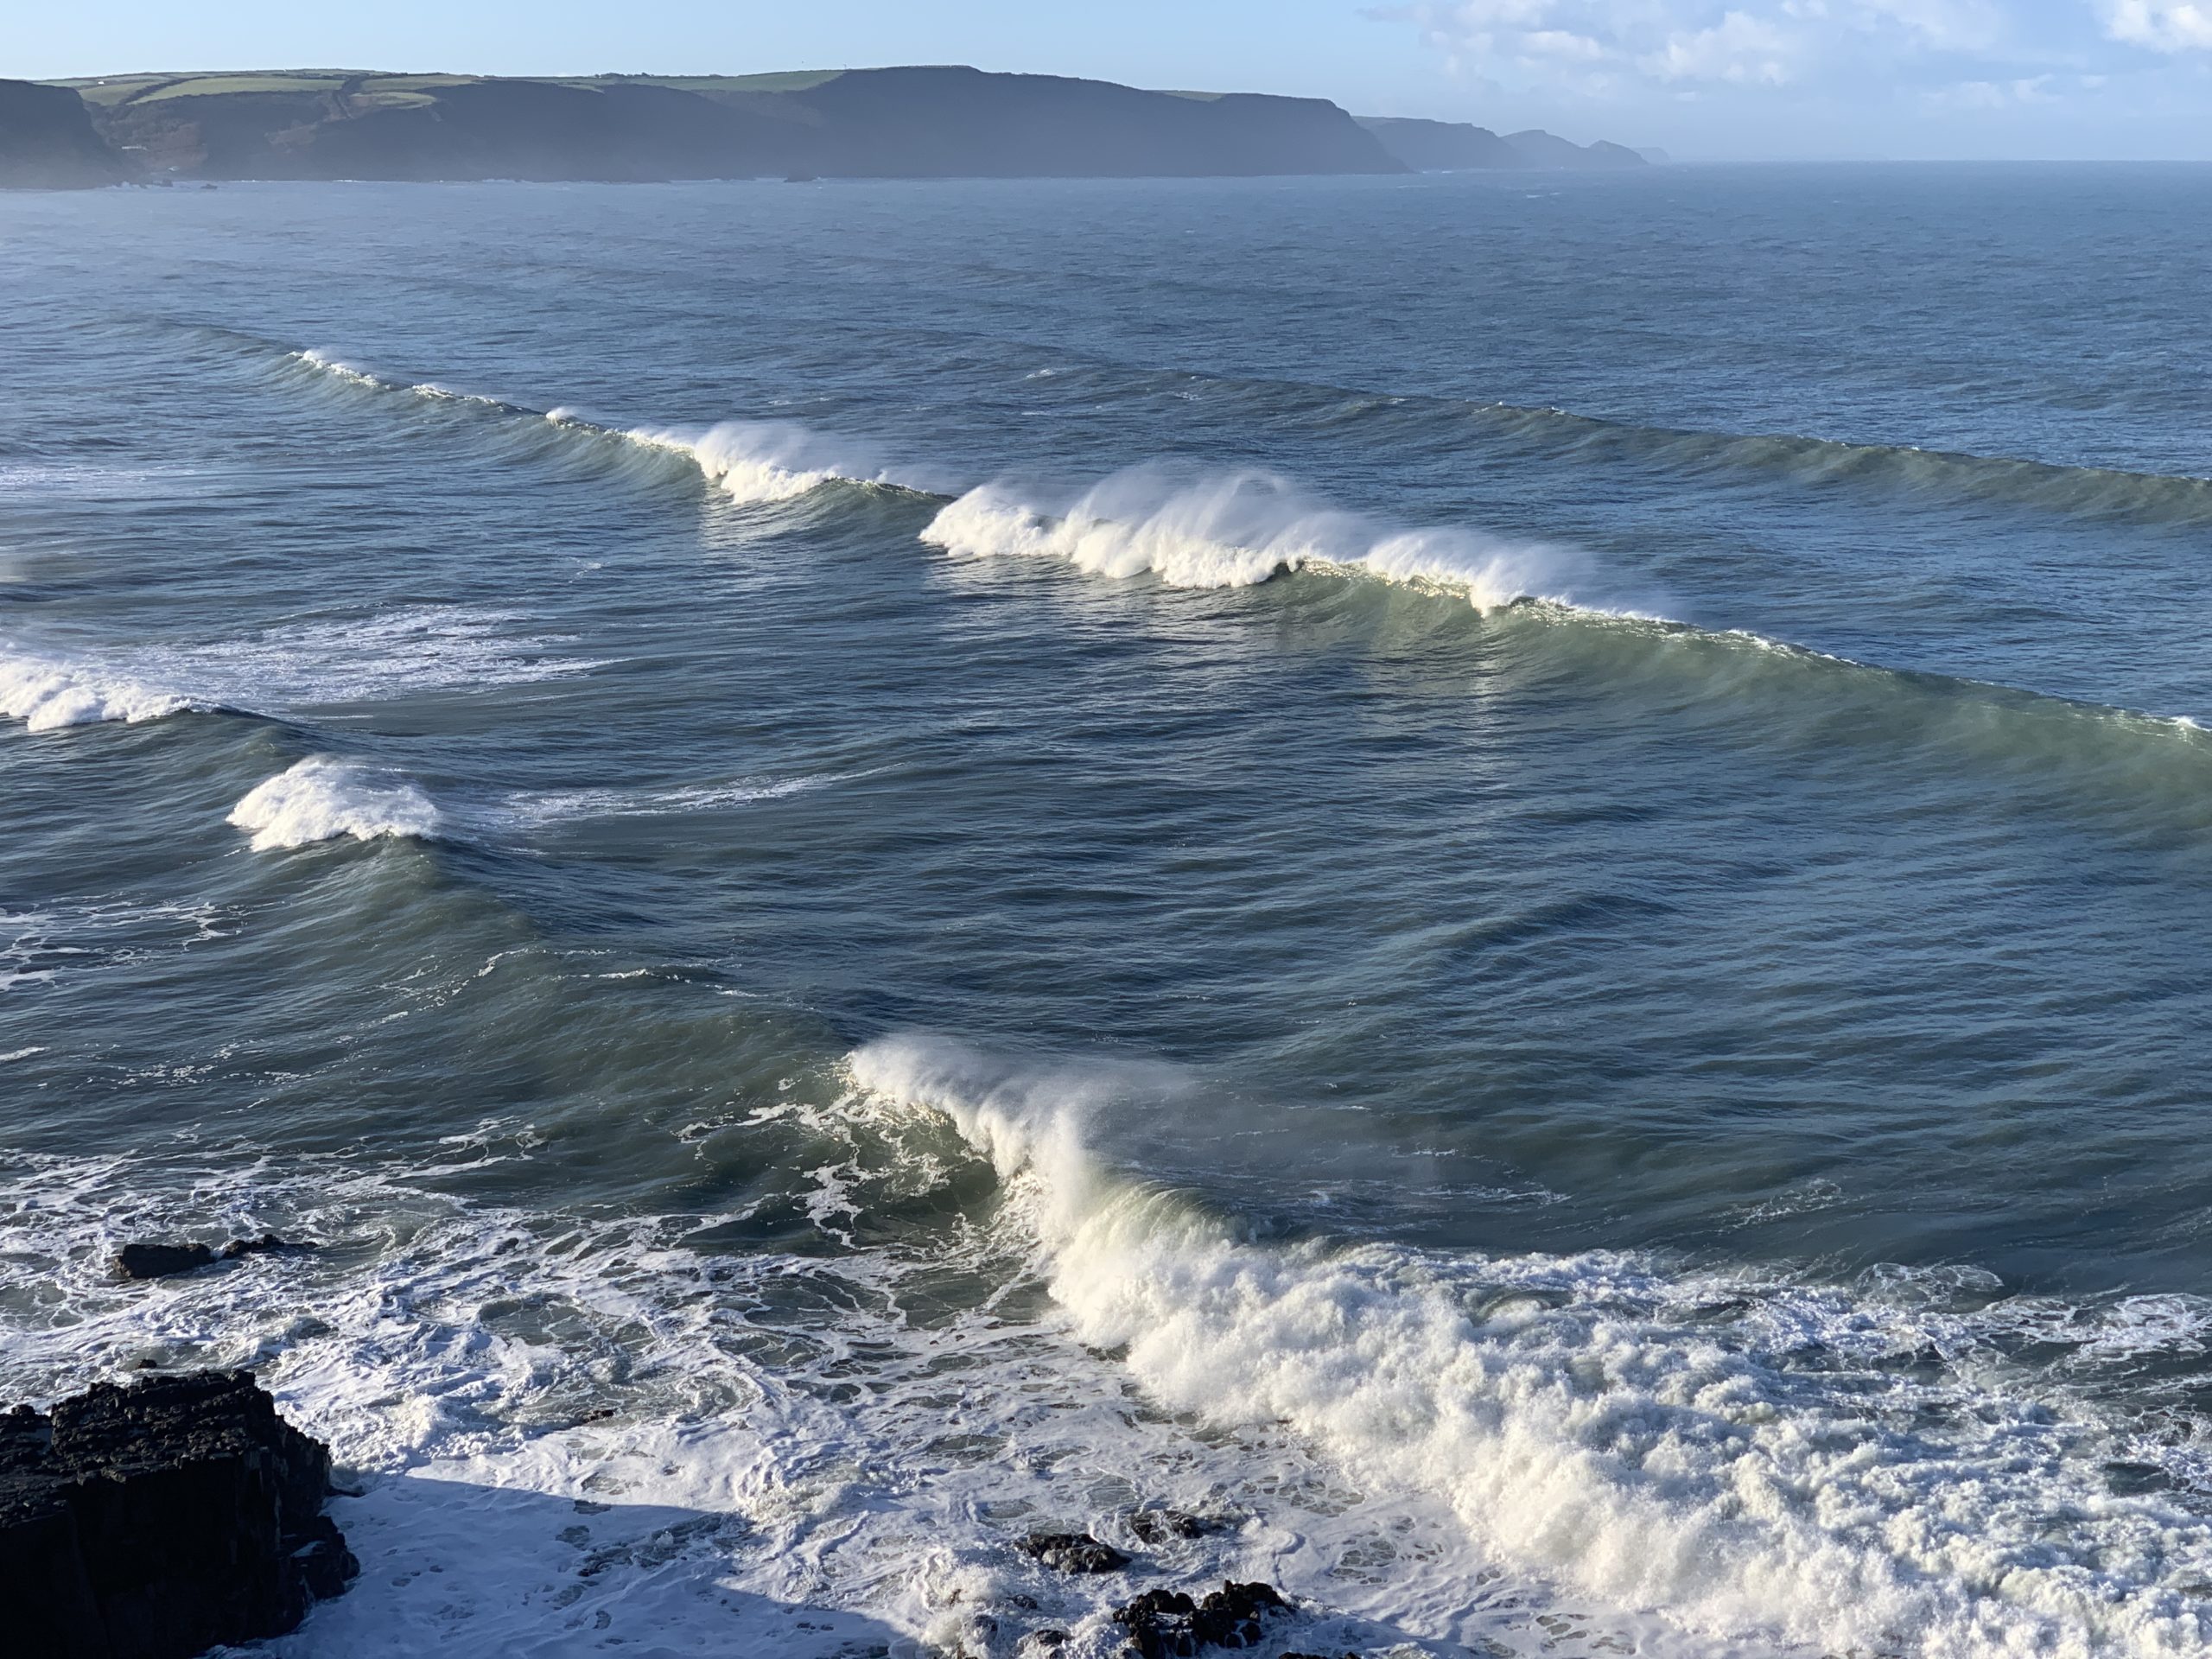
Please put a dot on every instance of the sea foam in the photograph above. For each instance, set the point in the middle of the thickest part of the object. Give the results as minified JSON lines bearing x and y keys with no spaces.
{"x":1586,"y":1425}
{"x":1239,"y":529}
{"x":322,"y":798}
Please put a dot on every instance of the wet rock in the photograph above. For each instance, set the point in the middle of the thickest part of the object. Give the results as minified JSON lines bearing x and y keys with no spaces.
{"x":157,"y":1520}
{"x":162,"y":1261}
{"x":1169,"y":1624}
{"x":1162,"y":1526}
{"x":1074,"y":1552}
{"x":168,"y":1261}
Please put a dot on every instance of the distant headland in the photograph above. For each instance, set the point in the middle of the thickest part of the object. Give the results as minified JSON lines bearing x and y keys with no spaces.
{"x":924,"y":122}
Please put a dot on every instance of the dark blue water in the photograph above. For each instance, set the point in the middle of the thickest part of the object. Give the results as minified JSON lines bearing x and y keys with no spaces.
{"x":1507,"y":881}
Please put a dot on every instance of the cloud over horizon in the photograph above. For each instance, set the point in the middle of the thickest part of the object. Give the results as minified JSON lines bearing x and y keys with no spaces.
{"x":1741,"y":65}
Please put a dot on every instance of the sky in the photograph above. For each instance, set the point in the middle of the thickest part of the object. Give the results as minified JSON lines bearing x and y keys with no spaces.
{"x":1705,"y":80}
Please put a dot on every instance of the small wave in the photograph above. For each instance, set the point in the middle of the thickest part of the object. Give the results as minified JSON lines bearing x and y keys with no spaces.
{"x":559,"y":806}
{"x":322,"y":798}
{"x":1241,"y":529}
{"x":353,"y":374}
{"x":1586,"y":1423}
{"x":48,"y":693}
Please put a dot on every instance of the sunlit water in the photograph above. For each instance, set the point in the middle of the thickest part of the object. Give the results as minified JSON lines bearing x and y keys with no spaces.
{"x":1504,"y":882}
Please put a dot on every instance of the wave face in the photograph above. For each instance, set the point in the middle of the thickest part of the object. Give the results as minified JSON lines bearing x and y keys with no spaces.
{"x":1237,"y":530}
{"x":322,"y":799}
{"x":757,"y":463}
{"x":1584,"y":1425}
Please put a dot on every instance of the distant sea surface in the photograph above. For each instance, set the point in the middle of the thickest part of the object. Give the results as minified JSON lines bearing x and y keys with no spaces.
{"x":1502,"y":885}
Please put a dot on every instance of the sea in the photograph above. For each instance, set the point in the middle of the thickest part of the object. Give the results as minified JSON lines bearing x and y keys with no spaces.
{"x":1488,"y":896}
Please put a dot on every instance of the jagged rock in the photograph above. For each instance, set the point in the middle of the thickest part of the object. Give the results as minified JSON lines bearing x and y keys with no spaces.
{"x":1169,"y":1624}
{"x":1074,"y":1552}
{"x":168,"y":1261}
{"x":157,"y":1520}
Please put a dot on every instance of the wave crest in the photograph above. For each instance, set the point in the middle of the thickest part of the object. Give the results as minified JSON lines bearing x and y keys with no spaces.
{"x":322,"y":798}
{"x":1239,"y":529}
{"x":759,"y":462}
{"x":46,"y":695}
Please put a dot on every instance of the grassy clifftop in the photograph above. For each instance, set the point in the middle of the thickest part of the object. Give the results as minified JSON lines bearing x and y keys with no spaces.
{"x":918,"y":122}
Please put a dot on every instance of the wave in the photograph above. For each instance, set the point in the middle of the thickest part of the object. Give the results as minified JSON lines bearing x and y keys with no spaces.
{"x":48,"y":693}
{"x":1242,"y":528}
{"x":1595,"y":1420}
{"x":321,"y":798}
{"x":2090,"y":491}
{"x":757,"y":463}
{"x":533,"y":809}
{"x":352,"y":374}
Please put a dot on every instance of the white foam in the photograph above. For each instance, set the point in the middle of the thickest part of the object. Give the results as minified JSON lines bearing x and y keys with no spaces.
{"x":322,"y":798}
{"x":339,"y":369}
{"x":350,"y":659}
{"x":1239,"y":529}
{"x":1583,"y":1433}
{"x":762,"y":462}
{"x":46,"y":693}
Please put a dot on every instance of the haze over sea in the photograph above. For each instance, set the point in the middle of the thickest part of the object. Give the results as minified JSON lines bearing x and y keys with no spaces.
{"x":1501,"y":881}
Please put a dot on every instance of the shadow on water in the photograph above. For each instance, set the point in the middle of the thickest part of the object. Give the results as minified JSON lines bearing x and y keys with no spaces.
{"x":452,"y":1565}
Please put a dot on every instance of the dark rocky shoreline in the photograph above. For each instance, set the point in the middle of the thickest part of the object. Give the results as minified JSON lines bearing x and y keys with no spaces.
{"x":157,"y":1520}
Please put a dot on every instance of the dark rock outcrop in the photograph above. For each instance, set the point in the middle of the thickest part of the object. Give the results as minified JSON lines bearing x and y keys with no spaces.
{"x":1073,"y":1551}
{"x":143,"y":1260}
{"x":47,"y":140}
{"x":157,"y":1520}
{"x":1170,"y":1624}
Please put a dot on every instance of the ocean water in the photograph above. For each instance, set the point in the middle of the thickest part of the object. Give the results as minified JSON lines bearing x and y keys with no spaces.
{"x":1504,"y":884}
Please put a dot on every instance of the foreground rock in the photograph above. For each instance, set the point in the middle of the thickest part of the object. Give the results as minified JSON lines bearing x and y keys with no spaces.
{"x":157,"y":1520}
{"x":1169,"y":1624}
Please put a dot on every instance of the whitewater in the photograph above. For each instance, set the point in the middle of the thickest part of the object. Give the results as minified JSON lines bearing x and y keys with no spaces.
{"x":1387,"y":885}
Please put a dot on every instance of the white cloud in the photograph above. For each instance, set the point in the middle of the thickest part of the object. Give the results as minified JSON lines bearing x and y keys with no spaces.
{"x":2161,"y":25}
{"x":1740,"y":48}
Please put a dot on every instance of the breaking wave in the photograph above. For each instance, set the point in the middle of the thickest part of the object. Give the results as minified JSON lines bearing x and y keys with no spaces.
{"x":1751,"y":1459}
{"x":48,"y":693}
{"x":1239,"y":528}
{"x":760,"y":462}
{"x":322,"y":798}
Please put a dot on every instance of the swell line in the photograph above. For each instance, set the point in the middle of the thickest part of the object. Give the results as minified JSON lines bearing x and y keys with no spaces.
{"x":1249,"y":527}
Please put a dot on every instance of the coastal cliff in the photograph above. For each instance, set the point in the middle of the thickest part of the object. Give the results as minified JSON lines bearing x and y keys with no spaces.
{"x":47,"y":141}
{"x":1459,"y":147}
{"x":900,"y":123}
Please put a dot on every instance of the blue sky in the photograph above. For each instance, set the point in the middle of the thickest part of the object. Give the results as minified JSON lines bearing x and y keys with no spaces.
{"x":1737,"y":79}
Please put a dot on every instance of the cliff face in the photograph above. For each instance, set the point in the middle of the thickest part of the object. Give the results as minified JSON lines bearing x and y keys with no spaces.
{"x":1456,"y":147}
{"x":1443,"y":146}
{"x":47,"y":141}
{"x":952,"y":122}
{"x":918,"y":123}
{"x":1545,"y":150}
